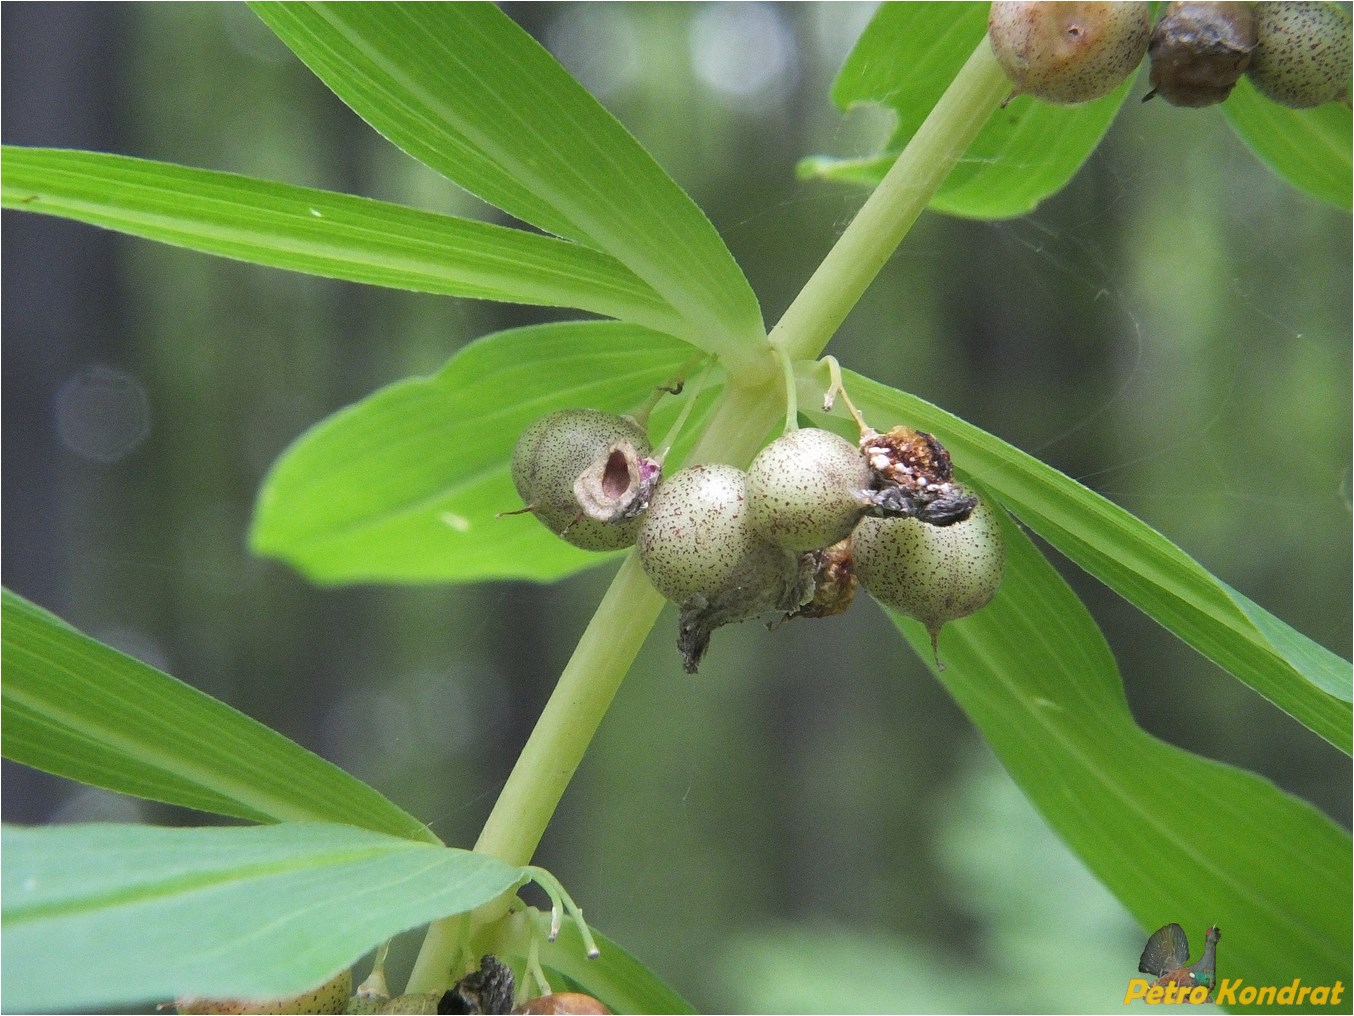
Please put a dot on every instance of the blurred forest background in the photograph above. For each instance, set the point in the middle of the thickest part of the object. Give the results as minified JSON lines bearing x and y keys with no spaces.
{"x":810,"y":824}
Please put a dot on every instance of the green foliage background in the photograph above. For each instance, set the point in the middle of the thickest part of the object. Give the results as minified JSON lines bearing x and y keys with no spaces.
{"x":1173,"y":329}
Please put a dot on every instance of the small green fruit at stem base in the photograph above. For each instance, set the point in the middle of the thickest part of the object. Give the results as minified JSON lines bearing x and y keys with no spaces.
{"x":1068,"y":53}
{"x":1199,"y":51}
{"x":934,"y":574}
{"x":1302,"y":53}
{"x":329,"y":997}
{"x":802,"y":489}
{"x":698,"y":548}
{"x":424,"y":1004}
{"x":586,"y":475}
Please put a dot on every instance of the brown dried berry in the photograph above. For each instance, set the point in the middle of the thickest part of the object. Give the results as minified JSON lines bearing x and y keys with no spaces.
{"x":486,"y":991}
{"x":1302,"y":53}
{"x":1068,"y":52}
{"x":834,"y":583}
{"x":912,"y":477}
{"x":1199,"y":51}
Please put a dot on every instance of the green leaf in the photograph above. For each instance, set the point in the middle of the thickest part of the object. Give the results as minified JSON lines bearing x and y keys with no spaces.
{"x":80,"y":709}
{"x":1310,"y":148}
{"x":1176,"y":837}
{"x":1300,"y":677}
{"x":323,"y":233}
{"x":904,"y":61}
{"x":464,"y":90}
{"x":109,"y":915}
{"x":405,"y":485}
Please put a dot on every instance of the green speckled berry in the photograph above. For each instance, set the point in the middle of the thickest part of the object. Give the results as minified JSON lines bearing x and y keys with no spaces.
{"x":424,"y":1004}
{"x":698,"y":549}
{"x":558,"y":449}
{"x":932,"y":573}
{"x":1068,"y":52}
{"x":1302,"y":53}
{"x":329,"y":997}
{"x":802,"y":489}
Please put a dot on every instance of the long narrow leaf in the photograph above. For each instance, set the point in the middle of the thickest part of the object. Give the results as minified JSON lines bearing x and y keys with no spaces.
{"x":464,"y":90}
{"x":112,"y":915}
{"x":1310,"y":148}
{"x":1176,"y":837}
{"x":1297,"y":675}
{"x":80,"y":709}
{"x":323,"y":233}
{"x":406,"y":484}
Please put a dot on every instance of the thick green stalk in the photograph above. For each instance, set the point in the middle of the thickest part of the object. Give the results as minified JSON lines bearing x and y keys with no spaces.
{"x":882,"y":222}
{"x":751,"y":404}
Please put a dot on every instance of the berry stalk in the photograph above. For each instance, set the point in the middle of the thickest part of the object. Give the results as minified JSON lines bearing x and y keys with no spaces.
{"x":882,"y":222}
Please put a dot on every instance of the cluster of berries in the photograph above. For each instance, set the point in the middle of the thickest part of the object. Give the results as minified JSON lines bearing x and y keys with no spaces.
{"x":794,"y":533}
{"x":1296,"y":54}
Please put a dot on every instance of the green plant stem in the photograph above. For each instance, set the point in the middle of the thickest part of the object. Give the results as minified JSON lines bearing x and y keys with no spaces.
{"x":750,"y":405}
{"x":882,"y":222}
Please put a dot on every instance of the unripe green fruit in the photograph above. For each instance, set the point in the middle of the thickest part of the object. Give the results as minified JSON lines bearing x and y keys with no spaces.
{"x":803,"y":489}
{"x":329,"y":997}
{"x":1302,"y":53}
{"x":1068,"y":52}
{"x":423,"y":1004}
{"x":932,"y":573}
{"x":698,"y":549}
{"x":586,"y":475}
{"x":1199,"y":51}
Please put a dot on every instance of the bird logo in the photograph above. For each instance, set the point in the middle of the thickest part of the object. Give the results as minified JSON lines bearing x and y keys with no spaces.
{"x":1167,"y":952}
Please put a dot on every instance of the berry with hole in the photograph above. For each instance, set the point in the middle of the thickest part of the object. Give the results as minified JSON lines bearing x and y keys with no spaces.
{"x":586,"y":475}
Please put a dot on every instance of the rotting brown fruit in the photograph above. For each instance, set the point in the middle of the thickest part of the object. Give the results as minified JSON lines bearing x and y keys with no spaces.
{"x":912,"y":477}
{"x":1199,"y":51}
{"x":834,"y":583}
